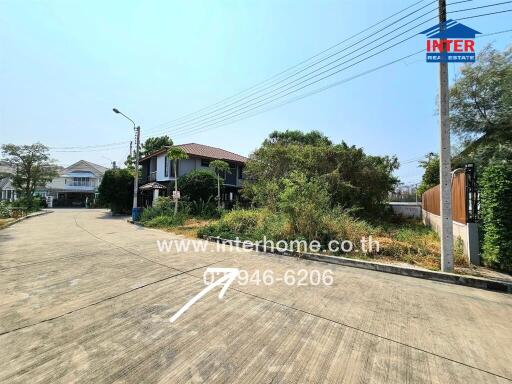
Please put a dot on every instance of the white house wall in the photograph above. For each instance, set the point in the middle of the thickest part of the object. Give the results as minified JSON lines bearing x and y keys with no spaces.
{"x":185,"y":166}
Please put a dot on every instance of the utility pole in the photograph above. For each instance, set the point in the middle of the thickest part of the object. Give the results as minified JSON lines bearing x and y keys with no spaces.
{"x":136,"y":181}
{"x":444,"y":156}
{"x":135,"y":209}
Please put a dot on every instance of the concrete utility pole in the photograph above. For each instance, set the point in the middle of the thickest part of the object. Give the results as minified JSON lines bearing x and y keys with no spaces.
{"x":135,"y":210}
{"x":136,"y":181}
{"x":445,"y":158}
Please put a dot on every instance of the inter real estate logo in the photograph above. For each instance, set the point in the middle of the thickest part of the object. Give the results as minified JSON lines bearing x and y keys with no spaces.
{"x":450,"y":42}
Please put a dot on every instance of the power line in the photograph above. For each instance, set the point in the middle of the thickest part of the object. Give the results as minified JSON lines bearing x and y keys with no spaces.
{"x":88,"y":149}
{"x":236,"y":103}
{"x":297,"y":98}
{"x":93,"y":145}
{"x":219,"y":124}
{"x":189,"y":121}
{"x":222,"y":116}
{"x":299,"y":64}
{"x":306,"y":78}
{"x":481,"y":6}
{"x":485,"y":14}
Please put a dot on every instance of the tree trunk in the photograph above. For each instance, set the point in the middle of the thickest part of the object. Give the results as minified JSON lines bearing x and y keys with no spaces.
{"x":218,"y":191}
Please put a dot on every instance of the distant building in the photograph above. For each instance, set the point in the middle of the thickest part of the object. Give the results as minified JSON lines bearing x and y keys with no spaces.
{"x":76,"y":184}
{"x":7,"y":191}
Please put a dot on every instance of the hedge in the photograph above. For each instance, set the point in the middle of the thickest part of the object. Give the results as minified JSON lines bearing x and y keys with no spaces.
{"x":496,"y":213}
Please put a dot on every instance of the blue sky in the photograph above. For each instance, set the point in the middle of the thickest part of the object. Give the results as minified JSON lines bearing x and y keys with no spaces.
{"x":65,"y":64}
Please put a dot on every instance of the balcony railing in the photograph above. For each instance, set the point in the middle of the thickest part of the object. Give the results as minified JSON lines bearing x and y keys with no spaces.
{"x":81,"y":184}
{"x":149,"y":178}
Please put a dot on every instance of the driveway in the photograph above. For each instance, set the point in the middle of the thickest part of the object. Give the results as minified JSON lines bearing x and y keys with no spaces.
{"x":85,"y":297}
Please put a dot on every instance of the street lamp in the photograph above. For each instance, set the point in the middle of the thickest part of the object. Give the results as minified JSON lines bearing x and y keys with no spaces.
{"x":135,"y":209}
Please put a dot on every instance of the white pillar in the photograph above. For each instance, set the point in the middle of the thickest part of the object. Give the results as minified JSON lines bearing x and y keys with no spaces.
{"x":155,"y":195}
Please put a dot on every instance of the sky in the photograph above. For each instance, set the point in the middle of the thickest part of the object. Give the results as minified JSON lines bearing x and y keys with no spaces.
{"x":65,"y":64}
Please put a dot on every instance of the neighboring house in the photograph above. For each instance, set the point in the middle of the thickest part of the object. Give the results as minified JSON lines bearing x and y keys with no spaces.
{"x":76,"y":185}
{"x":158,"y":170}
{"x":7,"y":191}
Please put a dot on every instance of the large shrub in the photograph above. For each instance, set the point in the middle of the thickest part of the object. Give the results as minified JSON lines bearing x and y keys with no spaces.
{"x":163,"y":206}
{"x":496,"y":212}
{"x":199,"y":184}
{"x":352,"y":178}
{"x":116,"y":190}
{"x":304,"y":202}
{"x":5,"y":209}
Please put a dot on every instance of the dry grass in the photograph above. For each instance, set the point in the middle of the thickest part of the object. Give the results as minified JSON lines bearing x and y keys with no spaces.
{"x":4,"y":222}
{"x":190,"y":228}
{"x":414,"y":244}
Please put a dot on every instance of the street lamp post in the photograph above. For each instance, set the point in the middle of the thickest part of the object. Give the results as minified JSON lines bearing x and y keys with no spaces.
{"x":135,"y":211}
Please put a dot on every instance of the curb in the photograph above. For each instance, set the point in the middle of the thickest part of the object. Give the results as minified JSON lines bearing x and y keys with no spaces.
{"x":34,"y":214}
{"x":443,"y":277}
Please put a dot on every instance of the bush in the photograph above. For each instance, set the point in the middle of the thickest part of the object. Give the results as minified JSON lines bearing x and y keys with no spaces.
{"x":204,"y":209}
{"x":496,"y":212}
{"x":351,"y":177}
{"x":236,"y":223}
{"x":116,"y":190}
{"x":197,"y":185}
{"x":304,"y":202}
{"x":166,"y":221}
{"x":162,"y":213}
{"x":5,"y":209}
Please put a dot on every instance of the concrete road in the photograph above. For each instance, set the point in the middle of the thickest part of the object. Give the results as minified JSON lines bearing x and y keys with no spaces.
{"x":87,"y":298}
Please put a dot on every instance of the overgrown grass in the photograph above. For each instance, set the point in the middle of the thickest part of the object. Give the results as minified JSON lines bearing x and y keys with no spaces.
{"x":163,"y":221}
{"x":399,"y":242}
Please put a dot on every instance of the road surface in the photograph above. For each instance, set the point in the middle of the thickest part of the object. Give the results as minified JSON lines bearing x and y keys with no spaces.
{"x":87,"y":298}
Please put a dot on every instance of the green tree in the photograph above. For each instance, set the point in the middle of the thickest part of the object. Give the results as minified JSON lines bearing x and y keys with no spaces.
{"x":353,"y":179}
{"x":481,"y":107}
{"x":298,"y":137}
{"x":153,"y":144}
{"x":219,"y":167}
{"x":304,"y":201}
{"x":33,"y":168}
{"x":116,"y":190}
{"x":176,"y":154}
{"x":199,"y":184}
{"x":430,"y":176}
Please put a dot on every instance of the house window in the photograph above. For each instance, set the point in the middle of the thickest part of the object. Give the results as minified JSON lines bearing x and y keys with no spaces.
{"x":205,"y":163}
{"x":240,"y":173}
{"x":166,"y":166}
{"x":81,"y":181}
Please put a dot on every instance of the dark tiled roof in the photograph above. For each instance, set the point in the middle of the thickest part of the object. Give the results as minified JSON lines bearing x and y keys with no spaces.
{"x":204,"y":151}
{"x":152,"y":185}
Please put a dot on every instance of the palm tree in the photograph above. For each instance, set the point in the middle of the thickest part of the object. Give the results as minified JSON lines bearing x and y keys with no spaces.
{"x":176,"y":154}
{"x":219,"y":167}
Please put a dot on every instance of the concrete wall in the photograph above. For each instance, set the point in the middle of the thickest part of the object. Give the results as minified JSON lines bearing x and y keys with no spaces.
{"x":468,"y":233}
{"x":406,"y":209}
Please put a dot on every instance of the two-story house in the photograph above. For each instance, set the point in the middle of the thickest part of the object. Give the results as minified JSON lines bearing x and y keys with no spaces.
{"x":158,"y":170}
{"x":76,"y":185}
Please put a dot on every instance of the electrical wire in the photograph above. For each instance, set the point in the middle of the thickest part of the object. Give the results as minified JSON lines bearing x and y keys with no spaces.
{"x":189,"y":121}
{"x":299,"y":64}
{"x":236,"y":112}
{"x":195,"y":131}
{"x":237,"y":104}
